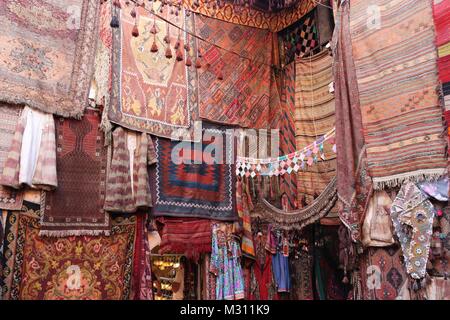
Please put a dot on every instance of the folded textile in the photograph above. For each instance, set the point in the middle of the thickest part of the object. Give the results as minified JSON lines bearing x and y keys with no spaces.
{"x":31,"y":158}
{"x":436,"y":189}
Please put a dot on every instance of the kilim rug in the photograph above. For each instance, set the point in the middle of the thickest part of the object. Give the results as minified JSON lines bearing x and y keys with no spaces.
{"x":397,"y":80}
{"x":314,"y":116}
{"x":248,"y":16}
{"x":151,"y":93}
{"x":71,"y":268}
{"x":354,"y":186}
{"x":48,"y":53}
{"x":242,"y":97}
{"x":76,"y":206}
{"x":382,"y":273}
{"x":199,"y":190}
{"x":9,"y":115}
{"x":298,"y":39}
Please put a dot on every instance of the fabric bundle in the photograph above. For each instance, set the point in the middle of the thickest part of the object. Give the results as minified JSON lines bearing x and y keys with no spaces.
{"x":9,"y":115}
{"x":31,"y":158}
{"x":354,"y":185}
{"x":48,"y":54}
{"x":397,"y":82}
{"x":76,"y":206}
{"x":127,"y":183}
{"x":187,"y":236}
{"x":314,"y":116}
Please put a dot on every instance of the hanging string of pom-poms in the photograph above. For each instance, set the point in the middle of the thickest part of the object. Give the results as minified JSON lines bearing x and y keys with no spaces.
{"x":293,"y":162}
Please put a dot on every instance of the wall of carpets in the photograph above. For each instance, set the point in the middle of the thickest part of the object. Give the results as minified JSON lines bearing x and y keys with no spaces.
{"x":112,"y":188}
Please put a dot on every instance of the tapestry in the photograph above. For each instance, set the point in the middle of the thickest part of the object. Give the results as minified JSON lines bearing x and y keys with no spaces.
{"x":441,"y":15}
{"x":191,"y":185}
{"x":314,"y":117}
{"x":9,"y":115}
{"x":248,"y":16}
{"x":412,"y":215}
{"x":242,"y":96}
{"x":301,"y":268}
{"x":76,"y":206}
{"x":71,"y":268}
{"x":382,"y":273}
{"x":397,"y":81}
{"x":354,"y":186}
{"x":151,"y":93}
{"x":48,"y":54}
{"x":187,"y":236}
{"x":243,"y":206}
{"x":298,"y":39}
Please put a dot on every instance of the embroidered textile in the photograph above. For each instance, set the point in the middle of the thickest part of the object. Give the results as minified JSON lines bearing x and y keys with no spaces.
{"x":436,"y":189}
{"x":301,"y":267}
{"x":226,"y":265}
{"x":243,"y":202}
{"x":412,"y":215}
{"x":187,"y":236}
{"x":314,"y":117}
{"x":76,"y":206}
{"x":397,"y":80}
{"x":382,"y":273}
{"x":127,"y":182}
{"x":48,"y":54}
{"x":197,"y":187}
{"x":250,"y":17}
{"x":9,"y":115}
{"x":31,"y":158}
{"x":151,"y":93}
{"x":354,"y":186}
{"x":84,"y":267}
{"x":242,"y":97}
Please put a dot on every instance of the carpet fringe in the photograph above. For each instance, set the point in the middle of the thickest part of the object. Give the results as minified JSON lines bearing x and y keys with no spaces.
{"x":414,"y":177}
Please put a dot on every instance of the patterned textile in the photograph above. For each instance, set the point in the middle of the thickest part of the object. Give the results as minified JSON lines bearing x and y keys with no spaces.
{"x":314,"y":116}
{"x":9,"y":115}
{"x":85,"y":268}
{"x":76,"y":206}
{"x":301,"y":266}
{"x":242,"y":97}
{"x":48,"y":53}
{"x":195,"y":188}
{"x":412,"y":215}
{"x":127,"y":182}
{"x":31,"y":158}
{"x":151,"y":93}
{"x":397,"y":80}
{"x":250,"y":17}
{"x":298,"y":39}
{"x":382,"y":273}
{"x":436,"y":189}
{"x":354,"y":186}
{"x":187,"y":236}
{"x":226,"y":265}
{"x":243,"y":202}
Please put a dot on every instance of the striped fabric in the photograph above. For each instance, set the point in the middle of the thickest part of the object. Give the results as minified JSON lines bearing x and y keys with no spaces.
{"x":395,"y":59}
{"x":127,"y":186}
{"x":32,"y":152}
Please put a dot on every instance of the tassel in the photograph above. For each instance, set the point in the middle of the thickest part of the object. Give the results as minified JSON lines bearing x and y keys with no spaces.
{"x":198,"y":63}
{"x":117,"y":4}
{"x":167,"y":36}
{"x":133,"y":12}
{"x":168,"y":52}
{"x":220,"y":75}
{"x":154,"y":47}
{"x":188,"y":62}
{"x":135,"y":31}
{"x":114,"y":22}
{"x":180,"y":55}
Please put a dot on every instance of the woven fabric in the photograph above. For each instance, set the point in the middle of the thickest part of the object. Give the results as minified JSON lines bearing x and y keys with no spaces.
{"x":248,"y":16}
{"x":242,"y":97}
{"x":187,"y":236}
{"x":243,"y":203}
{"x":127,"y":183}
{"x":354,"y":186}
{"x":151,"y":93}
{"x":314,"y":116}
{"x":397,"y":81}
{"x":382,"y":273}
{"x":71,"y":268}
{"x":192,"y":189}
{"x":298,"y":39}
{"x":76,"y":206}
{"x":9,"y":115}
{"x":48,"y":54}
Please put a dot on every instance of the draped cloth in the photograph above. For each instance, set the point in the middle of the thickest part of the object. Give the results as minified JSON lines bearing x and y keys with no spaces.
{"x":354,"y":186}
